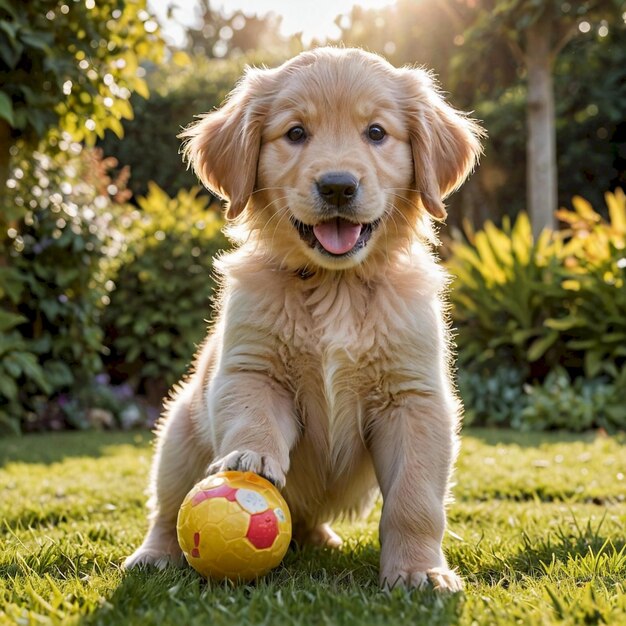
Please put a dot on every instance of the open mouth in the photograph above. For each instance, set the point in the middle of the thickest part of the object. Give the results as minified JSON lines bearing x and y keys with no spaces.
{"x":336,"y":237}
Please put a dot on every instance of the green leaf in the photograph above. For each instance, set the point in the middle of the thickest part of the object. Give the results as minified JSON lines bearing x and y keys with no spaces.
{"x":59,"y":374}
{"x":40,"y":40}
{"x":565,"y":323}
{"x":6,"y":108}
{"x":11,"y":422}
{"x":540,"y":346}
{"x":593,"y":363}
{"x":8,"y":388}
{"x":10,"y":320}
{"x":6,"y":6}
{"x":31,"y":368}
{"x":11,"y":283}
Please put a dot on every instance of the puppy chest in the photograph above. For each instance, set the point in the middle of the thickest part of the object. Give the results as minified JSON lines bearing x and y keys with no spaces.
{"x":331,"y":389}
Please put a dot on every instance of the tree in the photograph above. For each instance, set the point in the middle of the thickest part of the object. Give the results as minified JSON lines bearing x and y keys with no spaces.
{"x":194,"y":80}
{"x":223,"y":36}
{"x":431,"y":33}
{"x":70,"y":65}
{"x":536,"y":31}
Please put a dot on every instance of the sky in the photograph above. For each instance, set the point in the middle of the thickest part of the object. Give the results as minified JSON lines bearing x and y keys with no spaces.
{"x":315,"y":18}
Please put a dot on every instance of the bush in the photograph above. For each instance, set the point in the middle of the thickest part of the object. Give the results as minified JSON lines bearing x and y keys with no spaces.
{"x":592,"y":325}
{"x":559,"y":300}
{"x":493,"y":399}
{"x":560,"y":402}
{"x":180,"y":90}
{"x":53,"y":265}
{"x":102,"y":405}
{"x":542,"y":324}
{"x":577,"y":405}
{"x":505,"y":287}
{"x":158,"y":310}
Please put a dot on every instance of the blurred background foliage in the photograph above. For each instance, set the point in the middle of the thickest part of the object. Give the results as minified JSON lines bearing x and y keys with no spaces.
{"x":157,"y":314}
{"x":106,"y":253}
{"x":538,"y":320}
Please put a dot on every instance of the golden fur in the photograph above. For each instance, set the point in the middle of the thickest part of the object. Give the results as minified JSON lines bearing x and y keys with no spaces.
{"x":328,"y":374}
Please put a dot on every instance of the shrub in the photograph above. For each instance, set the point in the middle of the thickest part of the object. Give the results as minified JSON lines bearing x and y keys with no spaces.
{"x":493,"y":398}
{"x":158,"y":310}
{"x":542,"y":324}
{"x":102,"y":405}
{"x":18,"y":363}
{"x":559,"y":300}
{"x":503,"y":399}
{"x":53,"y":263}
{"x":179,"y":92}
{"x":577,"y":405}
{"x":505,"y":287}
{"x":592,"y":324}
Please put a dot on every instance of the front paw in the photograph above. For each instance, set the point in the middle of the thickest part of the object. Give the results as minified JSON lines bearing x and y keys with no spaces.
{"x":160,"y":559}
{"x":160,"y":549}
{"x":249,"y":461}
{"x":440,"y":578}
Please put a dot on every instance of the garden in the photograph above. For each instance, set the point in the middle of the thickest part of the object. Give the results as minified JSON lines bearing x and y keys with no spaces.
{"x":107,"y":244}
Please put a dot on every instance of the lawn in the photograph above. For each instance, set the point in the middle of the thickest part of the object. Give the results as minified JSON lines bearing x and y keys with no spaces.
{"x":537,"y":531}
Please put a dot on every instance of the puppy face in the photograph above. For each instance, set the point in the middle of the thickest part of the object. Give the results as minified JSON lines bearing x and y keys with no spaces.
{"x":335,"y":155}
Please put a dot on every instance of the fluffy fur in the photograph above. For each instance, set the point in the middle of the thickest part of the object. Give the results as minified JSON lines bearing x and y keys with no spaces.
{"x":327,"y":373}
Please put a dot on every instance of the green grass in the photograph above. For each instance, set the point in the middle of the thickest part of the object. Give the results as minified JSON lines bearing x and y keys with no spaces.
{"x":538,"y":531}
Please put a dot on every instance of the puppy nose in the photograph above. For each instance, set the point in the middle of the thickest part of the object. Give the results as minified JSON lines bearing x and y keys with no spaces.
{"x":337,"y":188}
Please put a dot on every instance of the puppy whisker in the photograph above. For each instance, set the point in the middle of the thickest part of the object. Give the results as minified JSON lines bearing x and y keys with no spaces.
{"x":413,"y":228}
{"x":256,"y":191}
{"x":284,"y":212}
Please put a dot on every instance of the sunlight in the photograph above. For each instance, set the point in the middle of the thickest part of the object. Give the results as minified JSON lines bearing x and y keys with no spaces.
{"x":315,"y":20}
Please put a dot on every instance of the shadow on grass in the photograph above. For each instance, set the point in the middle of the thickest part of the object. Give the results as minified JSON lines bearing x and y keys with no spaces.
{"x":581,"y":553}
{"x":48,"y":448}
{"x":313,"y":586}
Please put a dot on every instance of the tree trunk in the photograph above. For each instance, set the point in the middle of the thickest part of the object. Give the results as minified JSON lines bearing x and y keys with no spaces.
{"x":541,"y":175}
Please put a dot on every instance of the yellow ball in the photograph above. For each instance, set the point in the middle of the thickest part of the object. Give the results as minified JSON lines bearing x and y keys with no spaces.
{"x":234,"y":525}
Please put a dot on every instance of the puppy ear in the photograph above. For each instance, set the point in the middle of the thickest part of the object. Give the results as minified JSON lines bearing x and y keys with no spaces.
{"x":445,"y":143}
{"x":223,"y":147}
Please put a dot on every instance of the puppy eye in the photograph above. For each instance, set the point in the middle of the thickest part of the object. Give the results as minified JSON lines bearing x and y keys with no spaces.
{"x":376,"y":133}
{"x":297,"y":134}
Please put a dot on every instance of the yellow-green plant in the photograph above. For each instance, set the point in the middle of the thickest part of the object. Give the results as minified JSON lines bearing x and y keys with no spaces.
{"x":557,"y":300}
{"x":592,"y":238}
{"x":593,"y":318}
{"x":505,"y":286}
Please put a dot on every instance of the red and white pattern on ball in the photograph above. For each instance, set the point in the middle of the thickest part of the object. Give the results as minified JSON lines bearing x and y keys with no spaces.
{"x":263,"y":527}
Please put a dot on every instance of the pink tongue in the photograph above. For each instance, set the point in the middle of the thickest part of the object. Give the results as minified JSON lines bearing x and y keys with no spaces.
{"x":337,"y":236}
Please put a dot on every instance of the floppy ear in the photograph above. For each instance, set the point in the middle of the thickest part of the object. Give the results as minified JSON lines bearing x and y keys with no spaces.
{"x":223,"y":147}
{"x":445,"y":143}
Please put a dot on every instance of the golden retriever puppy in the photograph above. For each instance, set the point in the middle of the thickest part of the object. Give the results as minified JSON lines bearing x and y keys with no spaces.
{"x":328,"y":368}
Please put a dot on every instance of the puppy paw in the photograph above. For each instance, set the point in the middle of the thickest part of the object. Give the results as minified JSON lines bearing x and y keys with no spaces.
{"x":155,"y":557}
{"x":443,"y":579}
{"x":439,"y":578}
{"x":159,"y":549}
{"x":249,"y":461}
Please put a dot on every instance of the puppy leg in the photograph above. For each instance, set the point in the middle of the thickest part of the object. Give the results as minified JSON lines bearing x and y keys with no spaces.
{"x":254,"y":425}
{"x":412,"y":446}
{"x":178,"y":464}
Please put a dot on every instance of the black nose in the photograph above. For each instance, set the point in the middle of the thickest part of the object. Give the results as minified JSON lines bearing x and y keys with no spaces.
{"x":337,"y":188}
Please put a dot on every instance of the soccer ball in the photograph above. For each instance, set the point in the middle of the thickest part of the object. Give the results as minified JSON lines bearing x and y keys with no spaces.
{"x":234,"y":525}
